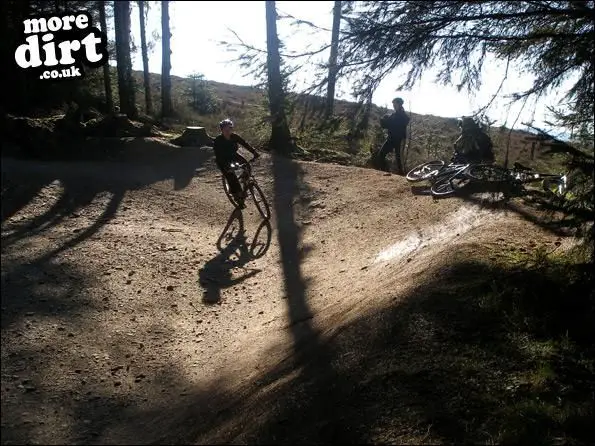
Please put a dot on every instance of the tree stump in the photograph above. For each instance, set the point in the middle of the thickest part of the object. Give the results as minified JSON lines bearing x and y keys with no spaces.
{"x":195,"y":137}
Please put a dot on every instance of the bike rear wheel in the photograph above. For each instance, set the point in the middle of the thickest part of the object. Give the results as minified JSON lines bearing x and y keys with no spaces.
{"x":487,"y":173}
{"x":259,"y":200}
{"x":424,"y":171}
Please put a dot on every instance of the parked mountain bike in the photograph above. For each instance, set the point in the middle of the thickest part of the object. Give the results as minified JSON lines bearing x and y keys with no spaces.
{"x":473,"y":146}
{"x":249,"y":186}
{"x":518,"y":176}
{"x":445,"y":179}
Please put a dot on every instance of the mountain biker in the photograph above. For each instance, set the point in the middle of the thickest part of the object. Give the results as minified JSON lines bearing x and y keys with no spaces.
{"x":396,"y":124}
{"x":473,"y":145}
{"x":226,"y":148}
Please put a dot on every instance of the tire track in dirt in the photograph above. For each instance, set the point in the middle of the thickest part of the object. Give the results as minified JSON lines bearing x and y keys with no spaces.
{"x":433,"y":238}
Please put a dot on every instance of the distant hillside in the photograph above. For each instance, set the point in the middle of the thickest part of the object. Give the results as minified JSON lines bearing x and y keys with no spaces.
{"x":431,"y":136}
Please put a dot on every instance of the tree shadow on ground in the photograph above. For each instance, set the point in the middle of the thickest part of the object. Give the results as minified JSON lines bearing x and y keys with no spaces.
{"x":234,"y":252}
{"x":477,"y":354}
{"x":33,"y":294}
{"x":81,"y":410}
{"x":538,"y":207}
{"x":16,"y":195}
{"x":312,"y":357}
{"x":82,"y":184}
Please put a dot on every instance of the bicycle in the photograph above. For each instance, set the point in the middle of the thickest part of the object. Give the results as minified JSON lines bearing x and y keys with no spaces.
{"x":518,"y":176}
{"x":472,"y":146}
{"x":243,"y":172}
{"x":445,"y":179}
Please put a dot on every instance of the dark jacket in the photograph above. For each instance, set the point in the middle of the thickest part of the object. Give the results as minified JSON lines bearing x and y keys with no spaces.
{"x":396,"y":124}
{"x":226,"y":149}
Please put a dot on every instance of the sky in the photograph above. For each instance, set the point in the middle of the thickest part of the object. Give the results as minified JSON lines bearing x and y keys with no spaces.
{"x":198,"y":27}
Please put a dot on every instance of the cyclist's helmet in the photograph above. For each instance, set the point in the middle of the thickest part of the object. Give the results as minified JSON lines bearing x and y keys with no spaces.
{"x":226,"y":123}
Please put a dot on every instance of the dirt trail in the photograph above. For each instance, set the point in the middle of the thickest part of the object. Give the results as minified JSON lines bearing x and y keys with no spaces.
{"x":118,"y":305}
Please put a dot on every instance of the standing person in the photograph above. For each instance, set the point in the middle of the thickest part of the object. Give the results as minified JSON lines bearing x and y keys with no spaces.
{"x":396,"y":125}
{"x":226,"y":148}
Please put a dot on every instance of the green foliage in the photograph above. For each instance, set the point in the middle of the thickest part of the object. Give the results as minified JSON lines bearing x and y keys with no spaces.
{"x":579,"y":206}
{"x":201,"y":95}
{"x":550,"y":40}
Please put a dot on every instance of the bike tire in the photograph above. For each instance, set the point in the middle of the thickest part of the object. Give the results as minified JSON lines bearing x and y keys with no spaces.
{"x":228,"y":193}
{"x":424,"y":171}
{"x":260,"y":200}
{"x":447,"y":186}
{"x":259,"y":248}
{"x":487,"y":173}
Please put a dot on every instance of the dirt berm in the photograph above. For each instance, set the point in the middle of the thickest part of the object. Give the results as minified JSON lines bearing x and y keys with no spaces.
{"x":124,"y":322}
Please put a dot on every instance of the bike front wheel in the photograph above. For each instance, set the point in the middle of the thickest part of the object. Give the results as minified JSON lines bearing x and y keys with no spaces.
{"x":424,"y":171}
{"x":228,"y":192}
{"x":262,"y":241}
{"x":260,"y":200}
{"x":449,"y":185}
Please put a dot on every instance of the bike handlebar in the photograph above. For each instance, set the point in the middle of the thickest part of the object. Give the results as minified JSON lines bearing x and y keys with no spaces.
{"x":247,"y":164}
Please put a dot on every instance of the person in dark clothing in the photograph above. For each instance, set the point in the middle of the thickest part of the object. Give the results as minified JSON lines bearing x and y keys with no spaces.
{"x":474,"y":144}
{"x":396,"y":125}
{"x":226,"y":147}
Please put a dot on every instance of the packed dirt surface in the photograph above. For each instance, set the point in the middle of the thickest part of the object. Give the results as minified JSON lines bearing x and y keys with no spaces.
{"x":134,"y":310}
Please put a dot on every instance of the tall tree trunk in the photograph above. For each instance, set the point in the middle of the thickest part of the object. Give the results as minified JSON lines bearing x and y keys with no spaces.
{"x":17,"y":97}
{"x":145,"y":54}
{"x":166,"y":104}
{"x":280,"y":136}
{"x":125,"y":80}
{"x":107,"y":80}
{"x":332,"y":68}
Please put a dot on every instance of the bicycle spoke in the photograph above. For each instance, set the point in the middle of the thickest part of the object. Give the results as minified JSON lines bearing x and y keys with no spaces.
{"x":442,"y":188}
{"x":449,"y":184}
{"x":424,"y":171}
{"x":487,"y":173}
{"x":259,"y":199}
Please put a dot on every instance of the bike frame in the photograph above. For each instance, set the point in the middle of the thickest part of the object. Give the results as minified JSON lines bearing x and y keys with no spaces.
{"x":450,"y":170}
{"x":521,"y":175}
{"x":245,"y":173}
{"x":249,"y":185}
